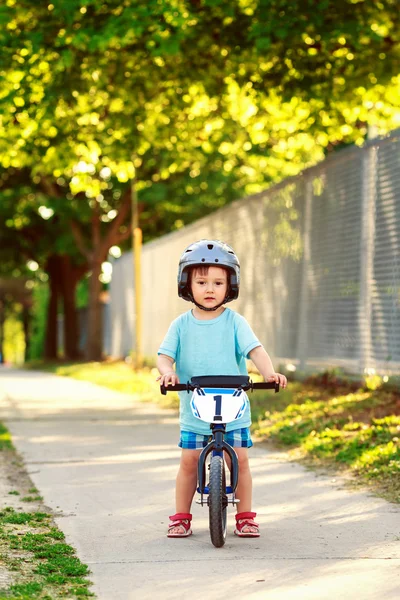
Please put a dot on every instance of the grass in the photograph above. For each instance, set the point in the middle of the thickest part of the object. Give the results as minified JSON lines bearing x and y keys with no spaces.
{"x":323,"y":421}
{"x":31,"y":498}
{"x":45,"y":566}
{"x":5,"y":438}
{"x":358,"y":431}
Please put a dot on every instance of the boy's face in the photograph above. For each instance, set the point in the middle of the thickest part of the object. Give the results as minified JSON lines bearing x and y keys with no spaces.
{"x":209,"y":285}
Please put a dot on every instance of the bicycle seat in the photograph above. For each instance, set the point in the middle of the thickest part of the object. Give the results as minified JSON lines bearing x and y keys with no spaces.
{"x":234,"y":381}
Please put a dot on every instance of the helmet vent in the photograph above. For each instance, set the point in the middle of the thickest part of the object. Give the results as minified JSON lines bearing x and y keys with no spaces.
{"x":203,"y":260}
{"x":216,"y":260}
{"x":189,"y":250}
{"x":210,"y":246}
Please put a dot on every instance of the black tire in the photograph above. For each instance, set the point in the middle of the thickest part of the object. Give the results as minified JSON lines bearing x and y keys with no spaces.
{"x":217,"y":501}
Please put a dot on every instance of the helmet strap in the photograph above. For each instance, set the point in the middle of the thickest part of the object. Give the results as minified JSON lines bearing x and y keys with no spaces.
{"x":205,"y":307}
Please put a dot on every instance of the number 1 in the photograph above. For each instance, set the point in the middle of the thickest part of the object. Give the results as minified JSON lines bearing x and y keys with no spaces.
{"x":218,"y":405}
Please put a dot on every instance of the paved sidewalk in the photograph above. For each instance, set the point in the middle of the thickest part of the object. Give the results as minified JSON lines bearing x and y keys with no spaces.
{"x":106,"y":464}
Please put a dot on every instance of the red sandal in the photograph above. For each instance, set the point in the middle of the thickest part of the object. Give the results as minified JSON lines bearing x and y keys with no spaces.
{"x":180,"y":520}
{"x":243,"y":520}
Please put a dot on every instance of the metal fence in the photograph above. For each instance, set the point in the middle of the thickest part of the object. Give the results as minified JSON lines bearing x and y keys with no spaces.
{"x":320,"y":264}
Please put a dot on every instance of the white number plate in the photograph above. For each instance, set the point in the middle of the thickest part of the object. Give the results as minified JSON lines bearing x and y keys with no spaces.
{"x":218,"y":405}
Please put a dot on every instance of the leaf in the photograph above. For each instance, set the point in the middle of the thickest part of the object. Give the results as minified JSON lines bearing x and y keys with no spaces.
{"x":67,"y":58}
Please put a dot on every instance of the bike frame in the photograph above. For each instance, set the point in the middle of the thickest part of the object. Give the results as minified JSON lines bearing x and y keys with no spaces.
{"x":217,"y":446}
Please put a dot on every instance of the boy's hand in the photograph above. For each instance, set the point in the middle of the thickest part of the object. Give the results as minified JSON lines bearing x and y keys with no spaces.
{"x":170,"y":378}
{"x":278,"y":378}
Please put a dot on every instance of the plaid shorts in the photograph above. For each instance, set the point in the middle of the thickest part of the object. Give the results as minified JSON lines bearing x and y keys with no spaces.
{"x":238,"y":438}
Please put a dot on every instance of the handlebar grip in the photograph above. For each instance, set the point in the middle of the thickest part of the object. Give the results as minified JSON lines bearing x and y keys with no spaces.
{"x":266,"y":385}
{"x":178,"y":387}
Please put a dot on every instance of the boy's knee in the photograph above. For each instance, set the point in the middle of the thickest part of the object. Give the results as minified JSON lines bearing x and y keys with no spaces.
{"x":243,"y":459}
{"x":189,"y":460}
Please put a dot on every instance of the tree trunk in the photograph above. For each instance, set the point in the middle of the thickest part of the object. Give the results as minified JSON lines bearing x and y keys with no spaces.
{"x":95,"y":252}
{"x":94,"y":348}
{"x":51,"y":340}
{"x":70,"y":277}
{"x":71,"y":328}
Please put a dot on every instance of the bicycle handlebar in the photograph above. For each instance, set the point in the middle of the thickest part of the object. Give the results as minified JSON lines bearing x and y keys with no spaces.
{"x":187,"y":387}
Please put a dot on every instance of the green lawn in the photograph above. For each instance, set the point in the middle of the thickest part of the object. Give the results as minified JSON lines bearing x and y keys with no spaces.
{"x":357,"y":430}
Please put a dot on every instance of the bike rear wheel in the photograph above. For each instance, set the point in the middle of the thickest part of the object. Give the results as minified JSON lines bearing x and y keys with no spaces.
{"x":217,"y":501}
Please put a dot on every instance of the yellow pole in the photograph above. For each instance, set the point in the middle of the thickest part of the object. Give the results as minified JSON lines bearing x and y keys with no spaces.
{"x":137,"y":240}
{"x":137,"y":262}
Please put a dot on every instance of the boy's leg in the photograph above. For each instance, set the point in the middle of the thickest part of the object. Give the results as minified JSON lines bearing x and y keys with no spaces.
{"x":186,"y":481}
{"x":244,"y":490}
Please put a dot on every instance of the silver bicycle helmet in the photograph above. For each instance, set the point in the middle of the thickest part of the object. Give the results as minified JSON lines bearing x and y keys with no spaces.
{"x":209,"y":253}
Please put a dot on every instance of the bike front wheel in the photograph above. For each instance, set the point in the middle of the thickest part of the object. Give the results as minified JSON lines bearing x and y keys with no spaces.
{"x":217,"y":501}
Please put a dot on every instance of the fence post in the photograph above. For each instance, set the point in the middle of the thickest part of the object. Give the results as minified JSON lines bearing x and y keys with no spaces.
{"x":302,"y":332}
{"x":367,"y":250}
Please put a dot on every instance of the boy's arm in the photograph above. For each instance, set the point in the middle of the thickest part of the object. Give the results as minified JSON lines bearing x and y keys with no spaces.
{"x":262,"y":361}
{"x":167,"y":374}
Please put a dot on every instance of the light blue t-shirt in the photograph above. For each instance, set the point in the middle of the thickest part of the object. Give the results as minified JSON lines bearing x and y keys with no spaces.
{"x":217,"y":346}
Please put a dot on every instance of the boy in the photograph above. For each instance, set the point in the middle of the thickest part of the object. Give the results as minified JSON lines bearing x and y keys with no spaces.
{"x":210,"y":340}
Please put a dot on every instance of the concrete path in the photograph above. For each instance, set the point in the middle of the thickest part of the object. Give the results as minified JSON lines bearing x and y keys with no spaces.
{"x":106,"y":464}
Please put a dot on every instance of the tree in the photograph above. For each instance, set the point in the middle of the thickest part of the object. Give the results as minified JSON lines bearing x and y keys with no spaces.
{"x":178,"y":95}
{"x":30,"y":235}
{"x":314,"y":49}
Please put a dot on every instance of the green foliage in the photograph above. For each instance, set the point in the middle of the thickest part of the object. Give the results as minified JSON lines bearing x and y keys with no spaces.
{"x":255,"y":91}
{"x":384,"y":459}
{"x":373,"y":382}
{"x":14,"y":340}
{"x":82,"y":293}
{"x":5,"y":438}
{"x":39,"y":318}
